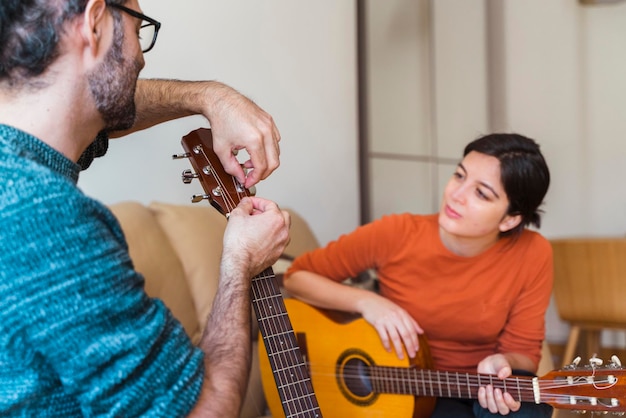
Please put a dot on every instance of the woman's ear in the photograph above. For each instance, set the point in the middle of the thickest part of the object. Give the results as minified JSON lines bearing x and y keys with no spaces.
{"x":509,"y":222}
{"x":95,"y":26}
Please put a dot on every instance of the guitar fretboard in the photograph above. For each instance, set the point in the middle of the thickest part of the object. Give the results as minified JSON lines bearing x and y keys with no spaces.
{"x":445,"y":384}
{"x":290,"y":371}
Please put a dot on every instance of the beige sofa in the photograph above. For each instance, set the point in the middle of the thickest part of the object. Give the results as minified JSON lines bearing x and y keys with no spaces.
{"x":177,"y":248}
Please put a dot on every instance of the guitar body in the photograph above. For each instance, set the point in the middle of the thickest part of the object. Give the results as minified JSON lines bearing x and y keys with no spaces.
{"x":334,"y":347}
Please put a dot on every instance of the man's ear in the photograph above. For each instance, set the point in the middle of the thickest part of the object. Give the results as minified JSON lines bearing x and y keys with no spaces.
{"x":94,"y":29}
{"x":509,"y":222}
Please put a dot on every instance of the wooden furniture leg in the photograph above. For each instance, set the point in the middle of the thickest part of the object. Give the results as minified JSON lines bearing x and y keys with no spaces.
{"x":593,"y":342}
{"x":572,"y":342}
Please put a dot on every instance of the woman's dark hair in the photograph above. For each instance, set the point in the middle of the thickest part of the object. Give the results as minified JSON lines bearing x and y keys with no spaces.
{"x":29,"y":36}
{"x":523,"y":172}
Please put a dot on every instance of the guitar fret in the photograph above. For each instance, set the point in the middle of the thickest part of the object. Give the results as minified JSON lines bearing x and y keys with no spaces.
{"x":469,"y":391}
{"x":394,"y":380}
{"x":271,"y":318}
{"x":294,"y":350}
{"x":439,"y":383}
{"x":432,"y":387}
{"x":382,"y":379}
{"x":406,"y":383}
{"x":299,"y":409}
{"x":295,"y":386}
{"x":266,"y":298}
{"x":283,"y":339}
{"x":448,"y":384}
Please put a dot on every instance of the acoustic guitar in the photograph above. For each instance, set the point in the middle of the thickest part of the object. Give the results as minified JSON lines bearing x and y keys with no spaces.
{"x":354,"y":376}
{"x":292,"y":383}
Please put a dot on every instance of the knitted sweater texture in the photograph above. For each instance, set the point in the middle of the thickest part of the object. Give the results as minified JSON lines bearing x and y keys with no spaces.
{"x":78,"y":334}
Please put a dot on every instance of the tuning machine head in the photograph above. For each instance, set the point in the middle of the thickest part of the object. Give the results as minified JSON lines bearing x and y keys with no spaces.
{"x":180,"y":156}
{"x":615,"y":363}
{"x":595,"y":362}
{"x":188,"y":175}
{"x":574,"y":364}
{"x":199,"y":198}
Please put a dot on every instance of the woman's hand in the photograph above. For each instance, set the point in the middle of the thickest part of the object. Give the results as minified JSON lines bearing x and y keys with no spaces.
{"x":393,"y":324}
{"x":492,"y":399}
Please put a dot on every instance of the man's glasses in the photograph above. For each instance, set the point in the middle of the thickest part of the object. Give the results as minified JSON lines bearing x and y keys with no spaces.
{"x":148,"y":30}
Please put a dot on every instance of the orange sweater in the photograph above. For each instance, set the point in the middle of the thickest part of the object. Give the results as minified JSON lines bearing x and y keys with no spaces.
{"x":469,"y":307}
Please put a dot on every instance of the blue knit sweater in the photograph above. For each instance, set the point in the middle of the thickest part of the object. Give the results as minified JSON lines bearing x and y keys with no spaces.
{"x":78,"y":334}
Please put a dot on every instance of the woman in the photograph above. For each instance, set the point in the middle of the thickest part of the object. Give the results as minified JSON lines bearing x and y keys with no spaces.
{"x":473,"y":278}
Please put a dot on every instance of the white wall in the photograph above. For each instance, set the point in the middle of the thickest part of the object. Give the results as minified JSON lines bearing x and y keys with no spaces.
{"x":297,"y":60}
{"x":444,"y":71}
{"x":566,"y":85}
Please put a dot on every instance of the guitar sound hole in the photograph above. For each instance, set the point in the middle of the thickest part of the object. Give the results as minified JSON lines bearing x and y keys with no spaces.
{"x":353,"y":377}
{"x":357,"y":379}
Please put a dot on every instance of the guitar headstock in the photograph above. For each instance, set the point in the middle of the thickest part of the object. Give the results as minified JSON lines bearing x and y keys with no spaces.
{"x":591,"y":387}
{"x":222,"y":190}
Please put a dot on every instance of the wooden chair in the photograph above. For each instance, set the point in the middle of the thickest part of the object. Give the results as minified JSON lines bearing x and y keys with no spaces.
{"x":590,"y":289}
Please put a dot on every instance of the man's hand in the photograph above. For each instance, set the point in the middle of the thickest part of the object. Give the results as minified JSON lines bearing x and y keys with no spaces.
{"x":256,"y":235}
{"x":238,"y":123}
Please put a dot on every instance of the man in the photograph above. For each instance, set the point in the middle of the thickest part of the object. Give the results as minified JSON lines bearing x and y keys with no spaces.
{"x":78,"y":335}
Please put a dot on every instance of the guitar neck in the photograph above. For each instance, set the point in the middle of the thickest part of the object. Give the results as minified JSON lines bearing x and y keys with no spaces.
{"x":224,"y":192}
{"x":423,"y":382}
{"x":290,"y":371}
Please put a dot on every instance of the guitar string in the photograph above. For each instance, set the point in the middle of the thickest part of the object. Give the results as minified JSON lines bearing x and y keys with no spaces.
{"x":297,"y":397}
{"x":279,"y":367}
{"x":435,"y":379}
{"x":295,"y":363}
{"x":228,"y":200}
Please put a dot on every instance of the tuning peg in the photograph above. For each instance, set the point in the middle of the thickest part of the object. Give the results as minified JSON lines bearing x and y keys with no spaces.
{"x":199,"y":197}
{"x":188,"y":175}
{"x":180,"y":156}
{"x":574,"y":363}
{"x":615,"y":361}
{"x":595,"y":361}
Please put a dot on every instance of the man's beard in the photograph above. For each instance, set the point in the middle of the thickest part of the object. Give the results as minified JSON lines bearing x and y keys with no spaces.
{"x":113,"y":85}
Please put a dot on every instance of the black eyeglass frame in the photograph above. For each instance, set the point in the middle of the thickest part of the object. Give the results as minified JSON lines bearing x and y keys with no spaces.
{"x":151,"y":22}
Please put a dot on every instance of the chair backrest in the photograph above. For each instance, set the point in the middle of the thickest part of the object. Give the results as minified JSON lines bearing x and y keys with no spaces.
{"x":590,"y":280}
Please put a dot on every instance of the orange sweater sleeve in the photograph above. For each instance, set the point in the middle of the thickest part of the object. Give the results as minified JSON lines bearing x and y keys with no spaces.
{"x":469,"y":307}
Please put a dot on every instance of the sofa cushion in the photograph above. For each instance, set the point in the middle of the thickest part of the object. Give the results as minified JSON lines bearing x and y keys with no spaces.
{"x":154,"y":257}
{"x":302,"y":238}
{"x":195,"y":232}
